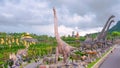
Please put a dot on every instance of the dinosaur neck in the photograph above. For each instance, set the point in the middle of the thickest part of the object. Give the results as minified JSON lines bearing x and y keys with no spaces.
{"x":56,"y":27}
{"x":105,"y":27}
{"x":105,"y":34}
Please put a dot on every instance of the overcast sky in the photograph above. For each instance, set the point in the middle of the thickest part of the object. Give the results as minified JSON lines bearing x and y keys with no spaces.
{"x":36,"y":16}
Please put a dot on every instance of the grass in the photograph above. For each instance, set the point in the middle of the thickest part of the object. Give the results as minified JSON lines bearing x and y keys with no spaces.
{"x":94,"y":62}
{"x":91,"y":64}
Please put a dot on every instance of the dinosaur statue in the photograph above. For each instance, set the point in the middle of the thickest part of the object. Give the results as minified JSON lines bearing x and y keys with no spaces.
{"x":89,"y":43}
{"x":101,"y":38}
{"x":62,"y":47}
{"x":105,"y":33}
{"x":106,"y":26}
{"x":107,"y":42}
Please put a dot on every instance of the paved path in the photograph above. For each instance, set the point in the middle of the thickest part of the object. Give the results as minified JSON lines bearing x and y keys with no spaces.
{"x":113,"y":60}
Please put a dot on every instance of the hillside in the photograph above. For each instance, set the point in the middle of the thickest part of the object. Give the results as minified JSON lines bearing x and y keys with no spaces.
{"x":116,"y":27}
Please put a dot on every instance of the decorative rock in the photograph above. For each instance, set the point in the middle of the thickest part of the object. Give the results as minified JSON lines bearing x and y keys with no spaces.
{"x":44,"y":66}
{"x":59,"y":66}
{"x":52,"y":66}
{"x":75,"y":65}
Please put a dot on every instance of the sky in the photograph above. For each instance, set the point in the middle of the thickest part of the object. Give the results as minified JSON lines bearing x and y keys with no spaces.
{"x":36,"y":16}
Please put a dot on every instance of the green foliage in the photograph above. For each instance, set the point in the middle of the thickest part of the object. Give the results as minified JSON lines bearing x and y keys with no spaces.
{"x":10,"y":62}
{"x":72,"y":41}
{"x":68,"y":38}
{"x":46,"y":45}
{"x":115,"y":33}
{"x":1,"y":62}
{"x":1,"y":55}
{"x":5,"y":49}
{"x":82,"y":38}
{"x":80,"y":53}
{"x":91,"y":64}
{"x":40,"y":49}
{"x":59,"y":58}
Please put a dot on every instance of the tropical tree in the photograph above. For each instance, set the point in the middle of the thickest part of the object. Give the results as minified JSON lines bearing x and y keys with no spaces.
{"x":115,"y":34}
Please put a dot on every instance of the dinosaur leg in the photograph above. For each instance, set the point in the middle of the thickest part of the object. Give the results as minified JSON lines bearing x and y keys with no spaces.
{"x":64,"y":58}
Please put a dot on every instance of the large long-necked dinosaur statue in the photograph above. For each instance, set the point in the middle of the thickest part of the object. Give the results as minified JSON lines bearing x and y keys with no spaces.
{"x":105,"y":33}
{"x":62,"y":47}
{"x":101,"y":38}
{"x":89,"y":43}
{"x":105,"y":27}
{"x":92,"y":45}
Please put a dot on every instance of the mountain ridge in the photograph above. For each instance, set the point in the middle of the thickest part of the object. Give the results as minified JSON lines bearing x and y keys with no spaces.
{"x":115,"y":27}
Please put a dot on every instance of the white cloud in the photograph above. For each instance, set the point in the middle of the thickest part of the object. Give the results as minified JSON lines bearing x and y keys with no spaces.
{"x":26,"y":12}
{"x":44,"y":29}
{"x":73,"y":20}
{"x":65,"y":30}
{"x":7,"y":15}
{"x":88,"y":31}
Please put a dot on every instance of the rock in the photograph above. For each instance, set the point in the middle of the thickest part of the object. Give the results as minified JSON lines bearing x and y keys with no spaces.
{"x":44,"y":66}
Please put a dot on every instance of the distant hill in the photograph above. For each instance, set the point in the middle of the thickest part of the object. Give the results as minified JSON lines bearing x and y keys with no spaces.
{"x":116,"y":27}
